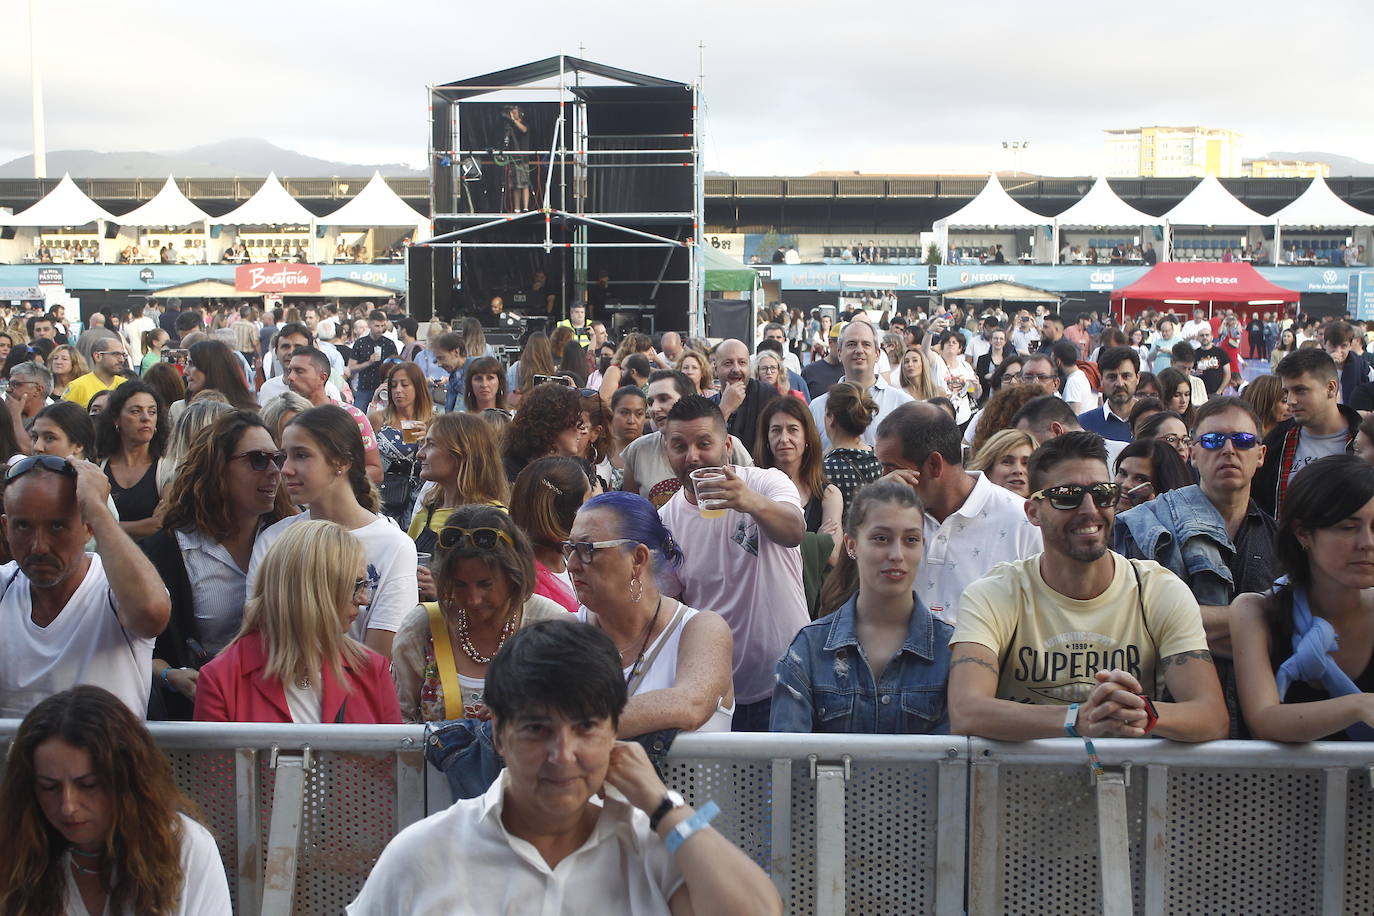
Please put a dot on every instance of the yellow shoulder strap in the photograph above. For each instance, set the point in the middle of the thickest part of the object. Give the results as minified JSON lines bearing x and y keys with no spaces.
{"x":443,"y":660}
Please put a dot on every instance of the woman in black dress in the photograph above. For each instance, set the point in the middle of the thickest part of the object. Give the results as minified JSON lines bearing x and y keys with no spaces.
{"x":130,"y":435}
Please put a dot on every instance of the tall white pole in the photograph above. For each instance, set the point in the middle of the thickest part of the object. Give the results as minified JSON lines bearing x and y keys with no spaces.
{"x":40,"y":153}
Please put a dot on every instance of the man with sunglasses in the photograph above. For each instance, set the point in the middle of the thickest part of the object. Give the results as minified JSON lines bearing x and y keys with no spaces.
{"x":72,"y":617}
{"x":1211,"y":535}
{"x":1078,"y":640}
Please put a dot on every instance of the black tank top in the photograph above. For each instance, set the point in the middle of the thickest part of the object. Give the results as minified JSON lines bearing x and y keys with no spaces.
{"x":139,"y":501}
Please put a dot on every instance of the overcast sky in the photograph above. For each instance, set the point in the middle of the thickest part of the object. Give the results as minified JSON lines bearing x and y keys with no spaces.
{"x":791,"y":88}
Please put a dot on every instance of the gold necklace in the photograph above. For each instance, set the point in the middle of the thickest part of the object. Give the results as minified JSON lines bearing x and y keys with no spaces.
{"x":465,"y":639}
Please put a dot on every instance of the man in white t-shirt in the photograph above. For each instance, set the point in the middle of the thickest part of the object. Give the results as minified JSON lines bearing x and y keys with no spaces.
{"x":1078,"y":640}
{"x":971,"y":523}
{"x":859,"y":356}
{"x":1078,"y":391}
{"x":70,"y":617}
{"x":1194,"y":326}
{"x":744,"y":564}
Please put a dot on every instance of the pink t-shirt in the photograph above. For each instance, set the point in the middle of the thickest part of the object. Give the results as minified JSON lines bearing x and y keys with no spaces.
{"x":729,"y":566}
{"x":364,"y":426}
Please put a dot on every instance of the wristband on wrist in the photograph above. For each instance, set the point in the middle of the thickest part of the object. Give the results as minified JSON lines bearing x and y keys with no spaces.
{"x":1071,"y":728}
{"x":165,"y":672}
{"x":683,"y":831}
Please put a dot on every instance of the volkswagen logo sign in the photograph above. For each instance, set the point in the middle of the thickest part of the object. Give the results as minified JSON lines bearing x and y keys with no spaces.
{"x":1329,"y":277}
{"x":146,"y":274}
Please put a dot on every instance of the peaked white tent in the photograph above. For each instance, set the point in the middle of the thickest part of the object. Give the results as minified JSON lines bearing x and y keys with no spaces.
{"x":270,"y":205}
{"x":1101,"y":207}
{"x":1319,"y":208}
{"x":993,"y":208}
{"x":375,"y":205}
{"x":169,"y":207}
{"x":64,"y":205}
{"x":1210,"y":204}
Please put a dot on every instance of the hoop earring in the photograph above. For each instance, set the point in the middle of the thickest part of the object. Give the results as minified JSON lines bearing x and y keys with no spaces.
{"x":636,"y":590}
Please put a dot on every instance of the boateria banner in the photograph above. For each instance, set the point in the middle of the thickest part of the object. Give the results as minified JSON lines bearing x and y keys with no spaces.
{"x":277,"y":278}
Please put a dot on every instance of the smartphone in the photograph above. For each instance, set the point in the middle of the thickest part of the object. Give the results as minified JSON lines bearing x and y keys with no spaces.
{"x":176,"y":357}
{"x":556,"y":379}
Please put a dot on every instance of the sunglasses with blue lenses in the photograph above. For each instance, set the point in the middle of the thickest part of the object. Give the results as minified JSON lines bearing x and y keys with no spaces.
{"x":1214,"y":441}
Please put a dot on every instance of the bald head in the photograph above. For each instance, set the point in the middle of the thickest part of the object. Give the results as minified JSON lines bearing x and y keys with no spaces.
{"x":730,"y":361}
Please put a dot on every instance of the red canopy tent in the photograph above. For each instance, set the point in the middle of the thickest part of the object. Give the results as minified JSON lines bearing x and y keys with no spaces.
{"x":1197,"y":283}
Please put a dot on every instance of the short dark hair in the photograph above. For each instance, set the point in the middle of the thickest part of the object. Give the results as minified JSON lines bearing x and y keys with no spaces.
{"x":923,"y":429}
{"x":1313,"y":360}
{"x":377,"y":315}
{"x":679,"y":379}
{"x":1077,"y":445}
{"x":1337,"y":333}
{"x":317,"y":359}
{"x":1053,"y":316}
{"x":771,"y":345}
{"x":694,"y":407}
{"x":189,"y":321}
{"x":1042,"y":411}
{"x":291,"y":328}
{"x":1112,"y":357}
{"x":1223,"y":404}
{"x":1065,"y":352}
{"x":559,"y":666}
{"x":638,"y":365}
{"x":1183,"y":352}
{"x":408,"y":324}
{"x":74,"y":422}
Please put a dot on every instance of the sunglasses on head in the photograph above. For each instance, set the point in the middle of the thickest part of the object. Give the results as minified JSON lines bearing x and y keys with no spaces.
{"x":258,"y":460}
{"x":1069,"y":496}
{"x":1214,"y":441}
{"x":46,"y":462}
{"x":481,"y":538}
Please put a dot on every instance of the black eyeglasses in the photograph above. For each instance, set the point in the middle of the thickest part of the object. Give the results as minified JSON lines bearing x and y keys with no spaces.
{"x":1070,"y":495}
{"x":258,"y":460}
{"x":1214,"y":441}
{"x":481,"y":538}
{"x":585,"y":550}
{"x":46,"y":462}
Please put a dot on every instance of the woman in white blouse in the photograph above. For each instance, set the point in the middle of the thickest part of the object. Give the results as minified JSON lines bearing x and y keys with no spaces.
{"x":956,"y":375}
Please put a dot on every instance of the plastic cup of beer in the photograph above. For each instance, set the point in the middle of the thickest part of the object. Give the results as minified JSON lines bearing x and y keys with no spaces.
{"x":707,"y":508}
{"x":412,"y":431}
{"x":422,"y":560}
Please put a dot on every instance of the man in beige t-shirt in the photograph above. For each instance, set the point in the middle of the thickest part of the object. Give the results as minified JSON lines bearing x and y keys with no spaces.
{"x":1068,"y":641}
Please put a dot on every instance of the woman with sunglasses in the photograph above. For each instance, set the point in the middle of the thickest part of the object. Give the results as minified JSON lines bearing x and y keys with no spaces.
{"x":293,"y":660}
{"x":1149,"y":468}
{"x":229,"y":490}
{"x":1169,"y":427}
{"x":95,"y":820}
{"x":549,"y":423}
{"x":130,"y":436}
{"x":484,"y":577}
{"x":455,"y":474}
{"x":676,"y":659}
{"x":1304,"y":664}
{"x":325,"y":469}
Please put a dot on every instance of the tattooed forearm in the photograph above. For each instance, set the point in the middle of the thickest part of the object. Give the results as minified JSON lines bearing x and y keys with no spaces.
{"x":976,"y":661}
{"x":1182,"y":659}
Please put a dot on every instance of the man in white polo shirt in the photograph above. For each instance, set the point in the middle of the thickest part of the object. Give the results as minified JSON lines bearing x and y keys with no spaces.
{"x":70,"y":617}
{"x":971,"y":523}
{"x":859,"y":357}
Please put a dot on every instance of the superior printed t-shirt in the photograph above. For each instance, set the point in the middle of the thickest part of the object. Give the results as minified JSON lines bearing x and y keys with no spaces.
{"x":391,"y":565}
{"x":731,"y":567}
{"x":85,"y":644}
{"x":1051,"y":645}
{"x":1312,"y":447}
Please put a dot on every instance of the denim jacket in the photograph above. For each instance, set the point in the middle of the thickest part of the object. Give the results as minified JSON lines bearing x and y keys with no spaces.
{"x":824,"y":682}
{"x":1183,"y":531}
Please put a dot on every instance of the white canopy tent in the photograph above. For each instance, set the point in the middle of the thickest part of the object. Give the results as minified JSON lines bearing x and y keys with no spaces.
{"x":1210,"y":204}
{"x":993,"y":208}
{"x":1102,"y":208}
{"x":64,"y":205}
{"x":1319,"y":208}
{"x":375,"y":205}
{"x":169,"y":207}
{"x":270,"y":205}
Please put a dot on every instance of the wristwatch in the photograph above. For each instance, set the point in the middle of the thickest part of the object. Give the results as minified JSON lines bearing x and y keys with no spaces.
{"x":671,"y":800}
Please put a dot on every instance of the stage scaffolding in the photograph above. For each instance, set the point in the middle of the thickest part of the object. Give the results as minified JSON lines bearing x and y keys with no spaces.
{"x":607,"y":186}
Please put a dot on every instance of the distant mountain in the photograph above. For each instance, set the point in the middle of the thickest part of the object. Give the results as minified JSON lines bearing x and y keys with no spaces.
{"x":1341,"y":166}
{"x":244,"y":157}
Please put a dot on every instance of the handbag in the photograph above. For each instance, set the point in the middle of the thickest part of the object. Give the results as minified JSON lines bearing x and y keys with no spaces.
{"x":399,"y":485}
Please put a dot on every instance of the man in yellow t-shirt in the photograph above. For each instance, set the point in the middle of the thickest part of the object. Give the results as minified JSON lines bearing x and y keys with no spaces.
{"x":1074,"y":640}
{"x":108,"y":360}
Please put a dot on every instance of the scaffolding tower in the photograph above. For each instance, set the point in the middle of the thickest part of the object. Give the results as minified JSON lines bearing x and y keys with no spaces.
{"x":609,"y":162}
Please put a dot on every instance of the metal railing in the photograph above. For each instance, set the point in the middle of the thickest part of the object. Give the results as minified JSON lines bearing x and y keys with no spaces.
{"x":852,"y":823}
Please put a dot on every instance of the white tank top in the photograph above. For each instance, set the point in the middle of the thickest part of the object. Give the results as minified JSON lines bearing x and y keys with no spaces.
{"x":663,"y":672}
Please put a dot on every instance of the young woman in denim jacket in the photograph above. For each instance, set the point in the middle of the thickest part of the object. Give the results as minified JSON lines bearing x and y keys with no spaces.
{"x":880,"y":663}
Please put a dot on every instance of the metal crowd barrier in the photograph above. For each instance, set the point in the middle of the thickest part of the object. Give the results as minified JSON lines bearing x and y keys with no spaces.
{"x":852,"y":823}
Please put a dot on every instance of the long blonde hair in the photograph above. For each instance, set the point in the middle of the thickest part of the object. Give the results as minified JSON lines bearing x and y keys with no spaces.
{"x":922,"y":388}
{"x":303,"y":583}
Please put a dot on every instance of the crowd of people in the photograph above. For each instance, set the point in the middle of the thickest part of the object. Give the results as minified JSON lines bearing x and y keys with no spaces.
{"x":921,"y":523}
